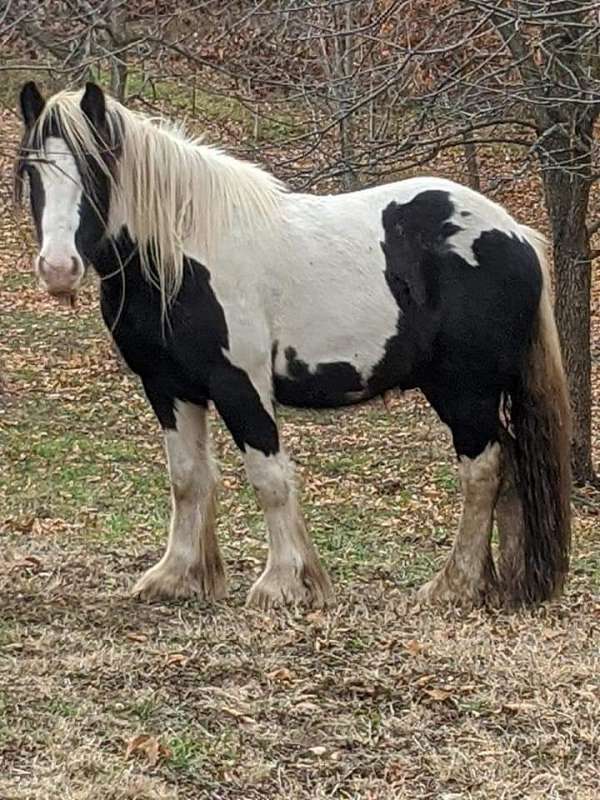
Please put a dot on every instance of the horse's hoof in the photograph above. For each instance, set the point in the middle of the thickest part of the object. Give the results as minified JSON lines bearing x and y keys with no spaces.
{"x":440,"y":591}
{"x":435,"y":592}
{"x":165,"y":583}
{"x":277,"y":587}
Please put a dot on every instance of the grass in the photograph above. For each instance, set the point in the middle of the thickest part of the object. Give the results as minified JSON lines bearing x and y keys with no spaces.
{"x":105,"y":697}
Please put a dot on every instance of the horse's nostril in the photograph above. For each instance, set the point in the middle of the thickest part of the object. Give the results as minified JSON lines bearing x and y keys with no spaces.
{"x":59,"y":273}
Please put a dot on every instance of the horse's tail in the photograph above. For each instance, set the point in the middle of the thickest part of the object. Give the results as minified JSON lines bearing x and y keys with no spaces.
{"x":540,"y":423}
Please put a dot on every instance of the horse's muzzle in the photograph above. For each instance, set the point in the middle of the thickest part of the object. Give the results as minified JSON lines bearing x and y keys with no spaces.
{"x":60,"y":277}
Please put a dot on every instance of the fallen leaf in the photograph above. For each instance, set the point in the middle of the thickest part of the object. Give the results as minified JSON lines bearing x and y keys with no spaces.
{"x":424,"y":679}
{"x":282,"y":675}
{"x":147,"y":746}
{"x":518,"y":708}
{"x":439,"y":695}
{"x":307,"y":707}
{"x":413,"y":647}
{"x":137,"y":637}
{"x":176,"y":659}
{"x":237,"y":714}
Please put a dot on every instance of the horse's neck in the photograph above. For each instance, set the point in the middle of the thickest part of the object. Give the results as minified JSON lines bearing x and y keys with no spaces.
{"x":115,"y":254}
{"x":117,"y":216}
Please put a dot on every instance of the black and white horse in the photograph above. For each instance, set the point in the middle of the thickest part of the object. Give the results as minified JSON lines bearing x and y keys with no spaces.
{"x":219,"y":285}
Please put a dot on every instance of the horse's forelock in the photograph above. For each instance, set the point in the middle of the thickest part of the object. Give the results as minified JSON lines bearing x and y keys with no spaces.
{"x":63,"y":118}
{"x":91,"y":148}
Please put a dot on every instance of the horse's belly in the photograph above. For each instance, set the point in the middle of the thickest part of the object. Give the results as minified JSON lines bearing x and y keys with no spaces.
{"x":329,"y":385}
{"x":328,"y":346}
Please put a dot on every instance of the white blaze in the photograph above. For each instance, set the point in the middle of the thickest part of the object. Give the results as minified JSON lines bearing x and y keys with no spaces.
{"x":62,"y":200}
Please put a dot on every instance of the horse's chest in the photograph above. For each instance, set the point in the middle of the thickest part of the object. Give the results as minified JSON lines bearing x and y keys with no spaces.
{"x":176,"y":353}
{"x":137,"y":336}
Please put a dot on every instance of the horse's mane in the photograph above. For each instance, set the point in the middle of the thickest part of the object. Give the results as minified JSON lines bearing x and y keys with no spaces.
{"x":171,"y":187}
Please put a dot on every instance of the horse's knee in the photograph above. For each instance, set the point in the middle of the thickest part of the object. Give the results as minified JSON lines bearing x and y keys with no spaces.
{"x":481,"y":476}
{"x":184,"y":477}
{"x":270,"y":476}
{"x":191,"y":469}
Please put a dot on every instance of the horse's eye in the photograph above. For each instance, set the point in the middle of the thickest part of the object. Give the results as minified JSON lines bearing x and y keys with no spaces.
{"x":398,"y":229}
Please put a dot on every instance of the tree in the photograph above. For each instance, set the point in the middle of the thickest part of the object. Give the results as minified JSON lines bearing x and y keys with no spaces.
{"x":555,"y":47}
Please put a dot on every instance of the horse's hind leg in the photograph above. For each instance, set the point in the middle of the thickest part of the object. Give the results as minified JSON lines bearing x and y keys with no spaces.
{"x":510,"y":522}
{"x":469,"y":574}
{"x":192,"y":562}
{"x":293,"y":574}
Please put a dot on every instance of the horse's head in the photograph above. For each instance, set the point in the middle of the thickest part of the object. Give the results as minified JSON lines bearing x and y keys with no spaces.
{"x":68,"y":153}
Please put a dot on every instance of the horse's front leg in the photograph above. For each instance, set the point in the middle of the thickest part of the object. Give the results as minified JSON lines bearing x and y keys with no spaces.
{"x":293,"y":574}
{"x":192,"y":563}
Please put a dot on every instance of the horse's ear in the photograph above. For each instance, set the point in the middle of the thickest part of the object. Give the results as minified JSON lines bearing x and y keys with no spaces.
{"x":93,"y":105}
{"x":32,"y":103}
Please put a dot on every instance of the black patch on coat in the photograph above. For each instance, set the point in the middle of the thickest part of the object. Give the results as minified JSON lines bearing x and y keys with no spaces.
{"x":181,"y":357}
{"x":463,"y":335}
{"x":330,"y":385}
{"x":37,"y":198}
{"x":417,"y":232}
{"x":31,"y":103}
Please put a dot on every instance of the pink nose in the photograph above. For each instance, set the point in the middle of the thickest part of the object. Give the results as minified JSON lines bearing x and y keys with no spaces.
{"x":60,"y":276}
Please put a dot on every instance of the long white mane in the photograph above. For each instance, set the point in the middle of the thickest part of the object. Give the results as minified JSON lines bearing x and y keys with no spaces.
{"x":169,"y":186}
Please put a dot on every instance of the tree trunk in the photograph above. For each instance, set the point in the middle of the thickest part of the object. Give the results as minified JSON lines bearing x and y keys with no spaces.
{"x":118,"y":35}
{"x":471,"y":162}
{"x":567,"y":194}
{"x":118,"y":78}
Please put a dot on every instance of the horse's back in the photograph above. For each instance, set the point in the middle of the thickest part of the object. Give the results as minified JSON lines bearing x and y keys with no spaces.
{"x":316,"y":290}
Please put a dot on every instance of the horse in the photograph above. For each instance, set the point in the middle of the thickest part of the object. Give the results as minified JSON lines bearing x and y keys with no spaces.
{"x":219,"y":285}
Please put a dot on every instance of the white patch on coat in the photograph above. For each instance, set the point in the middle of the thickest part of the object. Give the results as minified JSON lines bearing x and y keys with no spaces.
{"x":314,"y":282}
{"x":61,"y":182}
{"x":483,"y":215}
